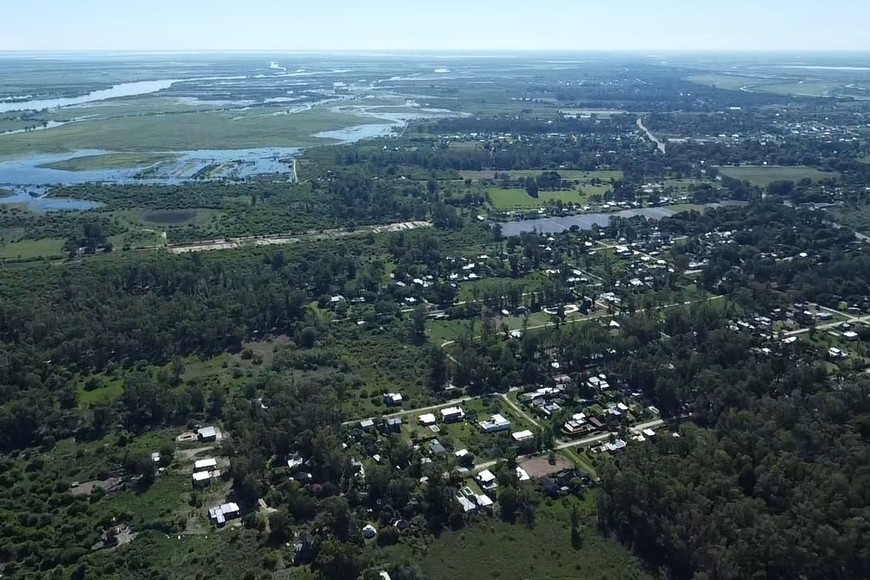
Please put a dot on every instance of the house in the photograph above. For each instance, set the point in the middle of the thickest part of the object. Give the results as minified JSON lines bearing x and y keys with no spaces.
{"x":392,"y":399}
{"x":367,"y":424}
{"x":595,"y":422}
{"x":550,"y":488}
{"x":384,"y":575}
{"x":495,"y":425}
{"x":483,"y":501}
{"x":436,"y":448}
{"x":467,"y":505}
{"x":835,"y":353}
{"x":649,"y":433}
{"x":616,"y":446}
{"x":850,"y":335}
{"x":487,"y":480}
{"x":201,"y":478}
{"x":369,"y":532}
{"x":223,"y":513}
{"x":521,"y":436}
{"x":393,"y":424}
{"x":426,"y":420}
{"x":452,"y":415}
{"x":522,"y":474}
{"x":461,"y":453}
{"x":207,"y":434}
{"x":204,"y":464}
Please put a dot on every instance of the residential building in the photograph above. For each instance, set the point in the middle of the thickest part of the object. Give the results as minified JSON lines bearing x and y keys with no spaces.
{"x":496,"y":424}
{"x":452,"y":415}
{"x":426,"y":420}
{"x":521,"y":436}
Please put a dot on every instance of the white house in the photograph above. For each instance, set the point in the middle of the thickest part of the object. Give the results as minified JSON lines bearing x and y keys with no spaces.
{"x":496,"y":424}
{"x":486,"y":479}
{"x":521,"y":436}
{"x":426,"y":420}
{"x":392,"y":399}
{"x":204,"y":464}
{"x":452,"y":414}
{"x":223,"y":513}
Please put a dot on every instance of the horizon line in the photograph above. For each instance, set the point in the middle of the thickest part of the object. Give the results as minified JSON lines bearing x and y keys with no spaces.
{"x":652,"y":52}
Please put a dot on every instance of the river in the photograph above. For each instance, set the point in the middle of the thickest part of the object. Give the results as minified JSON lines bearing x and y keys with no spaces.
{"x":117,"y":91}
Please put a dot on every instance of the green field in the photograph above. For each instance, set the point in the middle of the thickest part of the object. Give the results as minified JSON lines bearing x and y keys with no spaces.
{"x":508,"y":199}
{"x":187,"y":131}
{"x":30,"y":249}
{"x":800,"y":88}
{"x":169,"y":217}
{"x":765,"y":175}
{"x":109,"y":161}
{"x":490,"y":548}
{"x":566,"y":174}
{"x":724,"y":81}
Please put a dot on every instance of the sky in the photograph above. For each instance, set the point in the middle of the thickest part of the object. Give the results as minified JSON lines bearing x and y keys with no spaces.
{"x":367,"y":25}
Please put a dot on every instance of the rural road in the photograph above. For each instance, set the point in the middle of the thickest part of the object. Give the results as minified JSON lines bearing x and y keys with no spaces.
{"x":660,"y":144}
{"x":593,"y":439}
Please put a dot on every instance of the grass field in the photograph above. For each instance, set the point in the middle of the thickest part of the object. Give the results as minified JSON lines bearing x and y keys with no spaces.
{"x":566,"y":174}
{"x":723,"y":81}
{"x":187,"y":131}
{"x":109,"y":161}
{"x":169,"y":217}
{"x":765,"y":175}
{"x":29,"y":249}
{"x":490,"y":548}
{"x":508,"y":199}
{"x":800,"y":89}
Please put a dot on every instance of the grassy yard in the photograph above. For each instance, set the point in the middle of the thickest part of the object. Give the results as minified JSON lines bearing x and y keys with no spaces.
{"x":765,"y":175}
{"x":29,"y":249}
{"x":109,"y":161}
{"x":490,"y":548}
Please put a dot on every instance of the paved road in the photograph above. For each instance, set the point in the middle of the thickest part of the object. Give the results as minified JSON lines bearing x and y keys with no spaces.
{"x":598,"y":438}
{"x":836,"y":323}
{"x":660,"y":144}
{"x":521,"y":413}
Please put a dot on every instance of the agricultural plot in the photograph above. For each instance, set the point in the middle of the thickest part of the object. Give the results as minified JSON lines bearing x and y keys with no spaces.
{"x":767,"y":174}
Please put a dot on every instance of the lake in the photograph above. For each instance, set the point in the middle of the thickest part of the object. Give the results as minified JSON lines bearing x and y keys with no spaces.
{"x":555,"y":225}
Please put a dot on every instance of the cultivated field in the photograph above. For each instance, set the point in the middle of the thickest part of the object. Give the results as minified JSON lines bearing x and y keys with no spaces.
{"x":765,"y":175}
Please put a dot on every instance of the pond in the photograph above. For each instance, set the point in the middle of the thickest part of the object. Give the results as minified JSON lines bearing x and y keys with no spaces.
{"x":554,"y":225}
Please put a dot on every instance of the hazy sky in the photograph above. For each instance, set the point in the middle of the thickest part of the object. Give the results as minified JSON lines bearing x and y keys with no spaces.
{"x":435,"y":24}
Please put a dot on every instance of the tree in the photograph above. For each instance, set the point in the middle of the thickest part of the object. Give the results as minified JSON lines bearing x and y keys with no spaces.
{"x":532,"y":187}
{"x":418,"y":325}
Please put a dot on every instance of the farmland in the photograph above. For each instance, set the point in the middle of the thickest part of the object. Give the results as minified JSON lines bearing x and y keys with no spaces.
{"x":765,"y":175}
